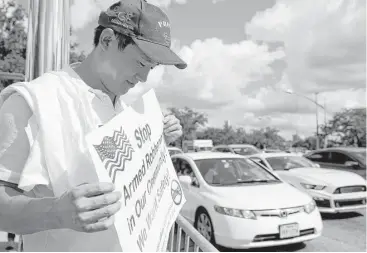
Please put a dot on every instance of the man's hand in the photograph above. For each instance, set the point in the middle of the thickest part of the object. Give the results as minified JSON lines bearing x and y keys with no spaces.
{"x":172,"y":128}
{"x":89,"y":207}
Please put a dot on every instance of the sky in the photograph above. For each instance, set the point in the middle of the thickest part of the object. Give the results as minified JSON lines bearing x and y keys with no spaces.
{"x":243,"y":55}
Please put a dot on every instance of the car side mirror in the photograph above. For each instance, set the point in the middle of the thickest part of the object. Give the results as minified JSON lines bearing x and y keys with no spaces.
{"x":351,"y":163}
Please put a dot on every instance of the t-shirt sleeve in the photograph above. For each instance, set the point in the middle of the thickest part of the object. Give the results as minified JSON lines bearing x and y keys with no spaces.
{"x":21,"y":162}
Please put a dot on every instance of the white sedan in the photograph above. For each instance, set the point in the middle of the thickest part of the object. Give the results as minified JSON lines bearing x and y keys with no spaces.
{"x":234,"y":202}
{"x":333,"y":190}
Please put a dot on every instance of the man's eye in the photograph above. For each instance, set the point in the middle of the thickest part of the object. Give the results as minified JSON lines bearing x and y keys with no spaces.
{"x":141,"y":64}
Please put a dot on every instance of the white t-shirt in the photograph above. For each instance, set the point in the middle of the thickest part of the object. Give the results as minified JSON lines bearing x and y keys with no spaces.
{"x":18,"y":131}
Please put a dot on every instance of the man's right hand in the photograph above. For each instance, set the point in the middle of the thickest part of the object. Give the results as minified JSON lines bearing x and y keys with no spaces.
{"x":89,"y":207}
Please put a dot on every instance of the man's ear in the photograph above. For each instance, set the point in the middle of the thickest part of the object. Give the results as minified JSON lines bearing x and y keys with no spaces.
{"x":107,"y":36}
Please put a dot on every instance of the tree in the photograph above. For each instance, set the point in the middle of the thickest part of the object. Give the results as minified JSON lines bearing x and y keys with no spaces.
{"x":267,"y":137}
{"x":75,"y":55}
{"x":349,"y":125}
{"x":190,"y":121}
{"x":13,"y":40}
{"x":211,"y":133}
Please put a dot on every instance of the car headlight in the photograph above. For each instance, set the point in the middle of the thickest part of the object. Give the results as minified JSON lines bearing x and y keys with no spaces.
{"x":310,"y":207}
{"x":313,"y":186}
{"x":246,"y":214}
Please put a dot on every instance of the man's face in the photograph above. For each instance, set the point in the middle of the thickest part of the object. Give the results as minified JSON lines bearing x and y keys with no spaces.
{"x":121,"y":70}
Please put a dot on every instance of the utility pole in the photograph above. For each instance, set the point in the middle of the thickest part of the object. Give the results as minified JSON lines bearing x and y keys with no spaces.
{"x":317,"y":124}
{"x":325,"y":128}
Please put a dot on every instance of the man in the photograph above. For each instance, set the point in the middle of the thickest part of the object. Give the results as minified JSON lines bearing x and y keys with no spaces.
{"x":48,"y":190}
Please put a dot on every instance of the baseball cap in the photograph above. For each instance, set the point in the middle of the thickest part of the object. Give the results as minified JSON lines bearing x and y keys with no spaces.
{"x":147,"y":25}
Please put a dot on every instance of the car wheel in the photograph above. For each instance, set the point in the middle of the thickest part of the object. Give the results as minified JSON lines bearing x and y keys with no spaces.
{"x":204,"y":225}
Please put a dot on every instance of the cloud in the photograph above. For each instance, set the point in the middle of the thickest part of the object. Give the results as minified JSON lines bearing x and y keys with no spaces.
{"x":217,"y":1}
{"x":217,"y":73}
{"x":317,"y":49}
{"x":324,"y":42}
{"x":166,"y":3}
{"x":84,"y":11}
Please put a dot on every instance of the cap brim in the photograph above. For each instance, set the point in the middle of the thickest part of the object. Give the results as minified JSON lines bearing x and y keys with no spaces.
{"x":160,"y":54}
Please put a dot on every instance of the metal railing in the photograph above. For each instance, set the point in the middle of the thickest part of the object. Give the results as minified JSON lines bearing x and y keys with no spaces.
{"x":185,"y":238}
{"x":182,"y":238}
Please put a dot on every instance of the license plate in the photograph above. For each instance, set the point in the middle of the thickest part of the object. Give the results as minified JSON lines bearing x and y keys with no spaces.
{"x":289,"y":230}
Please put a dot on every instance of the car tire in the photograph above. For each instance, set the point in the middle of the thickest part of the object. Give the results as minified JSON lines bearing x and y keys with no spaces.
{"x":204,"y":225}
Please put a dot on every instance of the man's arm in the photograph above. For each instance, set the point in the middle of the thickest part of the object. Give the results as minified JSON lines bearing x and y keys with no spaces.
{"x":20,"y":214}
{"x":85,"y":208}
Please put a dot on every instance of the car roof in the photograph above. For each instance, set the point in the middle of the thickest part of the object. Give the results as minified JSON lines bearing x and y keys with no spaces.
{"x":240,"y":145}
{"x":173,"y":148}
{"x":267,"y":155}
{"x":234,"y":145}
{"x":208,"y":155}
{"x":350,"y":149}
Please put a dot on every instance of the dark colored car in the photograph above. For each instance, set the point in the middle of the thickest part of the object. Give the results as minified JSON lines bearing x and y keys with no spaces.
{"x":348,"y":159}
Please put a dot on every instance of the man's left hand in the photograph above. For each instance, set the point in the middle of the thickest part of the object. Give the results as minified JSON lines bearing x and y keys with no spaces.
{"x":172,"y":128}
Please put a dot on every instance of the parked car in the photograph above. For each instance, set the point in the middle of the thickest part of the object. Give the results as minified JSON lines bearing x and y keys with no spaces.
{"x":174,"y":150}
{"x":234,"y":202}
{"x":333,"y":190}
{"x":272,"y":151}
{"x":347,"y":159}
{"x":240,"y":149}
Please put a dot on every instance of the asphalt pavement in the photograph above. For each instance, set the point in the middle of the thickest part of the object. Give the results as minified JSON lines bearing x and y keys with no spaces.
{"x":342,"y":233}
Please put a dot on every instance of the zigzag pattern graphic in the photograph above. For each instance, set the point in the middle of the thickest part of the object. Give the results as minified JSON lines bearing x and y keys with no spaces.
{"x":114,"y":152}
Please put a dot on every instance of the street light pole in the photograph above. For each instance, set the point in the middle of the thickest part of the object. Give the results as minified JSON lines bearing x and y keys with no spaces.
{"x":317,"y":123}
{"x":317,"y":105}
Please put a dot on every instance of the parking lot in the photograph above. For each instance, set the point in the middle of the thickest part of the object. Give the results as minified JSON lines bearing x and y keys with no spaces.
{"x":344,"y":232}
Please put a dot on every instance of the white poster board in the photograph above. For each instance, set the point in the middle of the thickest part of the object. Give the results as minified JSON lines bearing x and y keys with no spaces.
{"x":130,"y":151}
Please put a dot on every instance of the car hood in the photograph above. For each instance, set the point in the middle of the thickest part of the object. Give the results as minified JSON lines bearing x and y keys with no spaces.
{"x":327,"y":176}
{"x":260,"y":196}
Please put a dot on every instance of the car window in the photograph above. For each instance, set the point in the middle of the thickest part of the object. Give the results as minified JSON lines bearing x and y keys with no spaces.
{"x":360,"y":155}
{"x":289,"y":162}
{"x":174,"y":151}
{"x":229,"y":171}
{"x":224,"y":150}
{"x":319,"y":157}
{"x":246,"y":151}
{"x":182,"y":167}
{"x":339,"y":158}
{"x":258,"y":160}
{"x":175,"y":164}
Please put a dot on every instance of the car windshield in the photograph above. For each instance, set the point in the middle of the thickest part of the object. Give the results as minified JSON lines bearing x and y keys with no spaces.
{"x":233,"y":171}
{"x":174,"y":151}
{"x":289,"y":162}
{"x":360,"y":155}
{"x":246,"y":150}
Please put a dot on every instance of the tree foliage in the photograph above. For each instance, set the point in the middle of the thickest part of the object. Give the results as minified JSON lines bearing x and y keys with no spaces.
{"x":194,"y":123}
{"x":349,"y":125}
{"x":190,"y":120}
{"x":13,"y":40}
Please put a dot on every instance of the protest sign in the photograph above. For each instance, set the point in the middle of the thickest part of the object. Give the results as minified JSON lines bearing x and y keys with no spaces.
{"x":130,"y":151}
